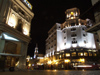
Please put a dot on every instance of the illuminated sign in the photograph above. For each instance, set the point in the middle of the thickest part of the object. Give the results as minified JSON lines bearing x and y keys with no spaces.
{"x":28,"y":4}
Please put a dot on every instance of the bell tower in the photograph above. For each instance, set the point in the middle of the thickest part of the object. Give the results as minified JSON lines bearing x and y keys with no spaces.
{"x":72,"y":13}
{"x":36,"y":51}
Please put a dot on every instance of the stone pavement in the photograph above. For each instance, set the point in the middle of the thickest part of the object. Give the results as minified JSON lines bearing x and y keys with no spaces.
{"x":52,"y":72}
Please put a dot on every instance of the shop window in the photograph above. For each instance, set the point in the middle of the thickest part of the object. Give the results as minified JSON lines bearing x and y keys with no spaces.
{"x":85,"y":54}
{"x":67,"y":54}
{"x":60,"y":56}
{"x":90,"y":54}
{"x":80,"y":54}
{"x":94,"y":54}
{"x":74,"y":54}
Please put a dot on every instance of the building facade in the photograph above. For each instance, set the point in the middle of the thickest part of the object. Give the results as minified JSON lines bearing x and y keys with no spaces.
{"x":96,"y":26}
{"x":68,"y":42}
{"x":36,"y":52}
{"x":15,"y":23}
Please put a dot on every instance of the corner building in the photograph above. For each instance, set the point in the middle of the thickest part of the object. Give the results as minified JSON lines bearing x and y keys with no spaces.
{"x":15,"y":23}
{"x":68,"y":42}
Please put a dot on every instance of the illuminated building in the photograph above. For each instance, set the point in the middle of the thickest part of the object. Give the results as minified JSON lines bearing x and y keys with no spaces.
{"x":15,"y":23}
{"x":68,"y":42}
{"x":36,"y":51}
{"x":96,"y":27}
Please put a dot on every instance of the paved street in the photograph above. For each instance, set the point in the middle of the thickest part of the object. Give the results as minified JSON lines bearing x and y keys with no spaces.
{"x":52,"y":72}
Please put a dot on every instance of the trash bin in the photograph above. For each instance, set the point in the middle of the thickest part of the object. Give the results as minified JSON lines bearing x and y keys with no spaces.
{"x":11,"y":69}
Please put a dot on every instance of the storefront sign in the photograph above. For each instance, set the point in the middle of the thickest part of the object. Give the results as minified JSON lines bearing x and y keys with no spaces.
{"x":28,"y":4}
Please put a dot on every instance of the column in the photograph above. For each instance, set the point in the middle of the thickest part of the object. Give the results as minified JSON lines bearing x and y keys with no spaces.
{"x":98,"y":32}
{"x":2,"y":42}
{"x":22,"y":59}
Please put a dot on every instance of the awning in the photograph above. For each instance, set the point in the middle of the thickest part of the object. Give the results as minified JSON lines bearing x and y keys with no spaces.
{"x":6,"y":54}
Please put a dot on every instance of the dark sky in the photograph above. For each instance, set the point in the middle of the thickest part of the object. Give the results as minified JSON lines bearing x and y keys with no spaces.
{"x":49,"y":12}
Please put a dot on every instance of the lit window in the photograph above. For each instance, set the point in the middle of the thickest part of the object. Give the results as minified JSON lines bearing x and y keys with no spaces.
{"x":76,"y":14}
{"x":94,"y":54}
{"x":12,"y":21}
{"x":79,"y":23}
{"x":74,"y":54}
{"x":60,"y":56}
{"x":80,"y":54}
{"x":67,"y":16}
{"x":67,"y":54}
{"x":26,"y":29}
{"x":63,"y":55}
{"x":90,"y":54}
{"x":85,"y":54}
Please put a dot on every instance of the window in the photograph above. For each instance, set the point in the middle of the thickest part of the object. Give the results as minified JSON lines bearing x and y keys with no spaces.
{"x":12,"y":20}
{"x":83,"y":28}
{"x":63,"y":55}
{"x":97,"y":40}
{"x":73,"y":42}
{"x":74,"y":54}
{"x":57,"y":57}
{"x":90,"y":54}
{"x":73,"y":29}
{"x":80,"y":54}
{"x":73,"y":35}
{"x":84,"y":41}
{"x":51,"y":46}
{"x":52,"y":41}
{"x":85,"y":54}
{"x":64,"y":37}
{"x":64,"y":31}
{"x":94,"y":54}
{"x":67,"y":54}
{"x":54,"y":38}
{"x":60,"y":56}
{"x":72,"y":24}
{"x":74,"y":38}
{"x":84,"y":35}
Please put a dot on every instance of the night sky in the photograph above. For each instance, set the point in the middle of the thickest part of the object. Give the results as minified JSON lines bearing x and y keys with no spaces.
{"x":49,"y":12}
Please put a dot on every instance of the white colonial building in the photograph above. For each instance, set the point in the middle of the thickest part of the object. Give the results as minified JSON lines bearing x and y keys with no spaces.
{"x":69,"y":39}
